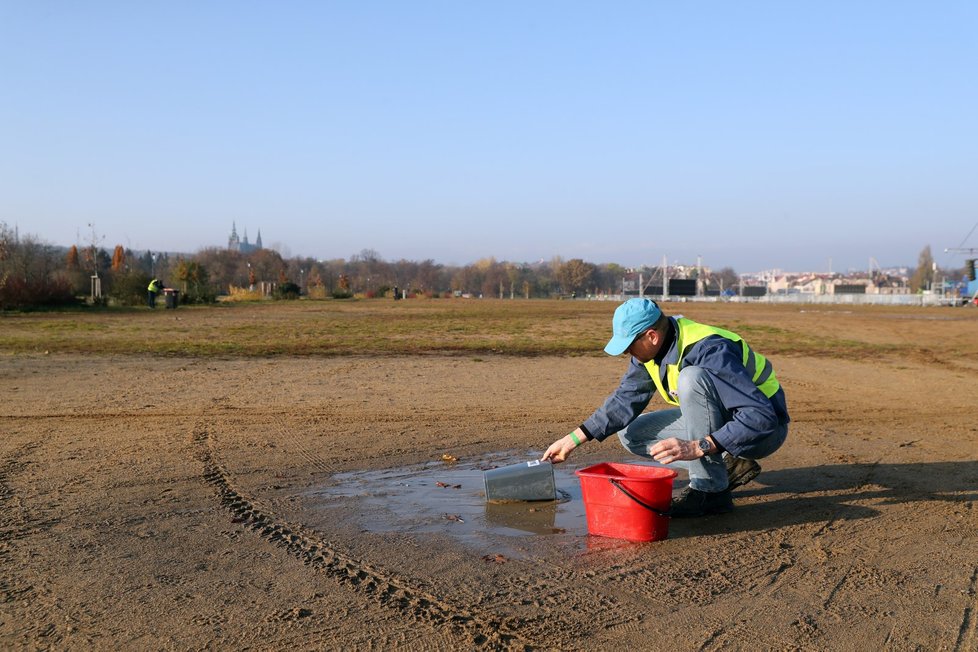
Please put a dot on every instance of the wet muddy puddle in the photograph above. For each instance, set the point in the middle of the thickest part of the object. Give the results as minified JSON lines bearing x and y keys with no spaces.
{"x":450,"y":497}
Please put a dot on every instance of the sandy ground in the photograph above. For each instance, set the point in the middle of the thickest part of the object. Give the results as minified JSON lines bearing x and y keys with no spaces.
{"x":153,"y":503}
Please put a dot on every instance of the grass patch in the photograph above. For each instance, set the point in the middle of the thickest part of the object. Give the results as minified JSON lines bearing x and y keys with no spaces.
{"x":474,"y":328}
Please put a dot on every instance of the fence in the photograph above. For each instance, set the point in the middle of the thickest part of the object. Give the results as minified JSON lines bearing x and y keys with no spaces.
{"x":824,"y":299}
{"x":859,"y":299}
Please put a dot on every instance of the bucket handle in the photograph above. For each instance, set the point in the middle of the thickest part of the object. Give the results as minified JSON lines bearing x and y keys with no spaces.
{"x":629,"y":494}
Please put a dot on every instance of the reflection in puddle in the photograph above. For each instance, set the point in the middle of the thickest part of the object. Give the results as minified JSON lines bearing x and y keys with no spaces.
{"x":524,"y":518}
{"x":440,"y":497}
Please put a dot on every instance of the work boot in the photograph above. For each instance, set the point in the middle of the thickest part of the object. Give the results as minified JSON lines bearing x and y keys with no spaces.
{"x":740,"y":470}
{"x":693,"y":502}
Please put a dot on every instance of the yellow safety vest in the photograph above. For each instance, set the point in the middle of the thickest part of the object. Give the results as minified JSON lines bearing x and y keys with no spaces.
{"x":689,"y":333}
{"x":154,"y":286}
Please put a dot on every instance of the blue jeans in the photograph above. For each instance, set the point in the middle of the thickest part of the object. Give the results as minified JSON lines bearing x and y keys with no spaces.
{"x":701,"y":414}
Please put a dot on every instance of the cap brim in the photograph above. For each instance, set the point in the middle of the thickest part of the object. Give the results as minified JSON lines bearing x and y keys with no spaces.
{"x":618,"y":345}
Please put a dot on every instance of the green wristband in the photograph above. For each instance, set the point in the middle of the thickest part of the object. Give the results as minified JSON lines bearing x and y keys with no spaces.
{"x":577,"y":442}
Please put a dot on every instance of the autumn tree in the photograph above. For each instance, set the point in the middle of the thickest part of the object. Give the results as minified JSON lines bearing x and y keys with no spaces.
{"x":194,"y":277}
{"x":330,"y":271}
{"x":424,"y":277}
{"x":315,"y":279}
{"x":468,"y":279}
{"x":494,"y":277}
{"x":576,"y":275}
{"x":514,"y":273}
{"x":923,"y":276}
{"x":266,"y":264}
{"x":225,"y":267}
{"x":77,"y":278}
{"x":118,"y":259}
{"x":315,"y":288}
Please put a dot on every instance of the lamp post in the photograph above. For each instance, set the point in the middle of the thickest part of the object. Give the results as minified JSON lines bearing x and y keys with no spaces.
{"x":302,"y":273}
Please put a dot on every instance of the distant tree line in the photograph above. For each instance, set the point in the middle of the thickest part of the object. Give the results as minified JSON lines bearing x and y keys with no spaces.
{"x":35,"y":274}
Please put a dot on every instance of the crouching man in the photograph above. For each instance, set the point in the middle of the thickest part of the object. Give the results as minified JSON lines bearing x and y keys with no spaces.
{"x":730,"y":408}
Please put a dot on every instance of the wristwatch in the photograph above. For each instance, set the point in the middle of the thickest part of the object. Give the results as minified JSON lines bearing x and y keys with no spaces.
{"x":705,"y":446}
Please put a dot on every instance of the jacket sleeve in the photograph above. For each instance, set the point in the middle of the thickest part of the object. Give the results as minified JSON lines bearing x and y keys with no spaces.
{"x":621,"y":408}
{"x":753,"y":415}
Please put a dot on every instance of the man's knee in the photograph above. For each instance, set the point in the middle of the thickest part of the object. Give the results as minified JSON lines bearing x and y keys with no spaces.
{"x":695,"y":381}
{"x":632,"y":445}
{"x":623,"y":437}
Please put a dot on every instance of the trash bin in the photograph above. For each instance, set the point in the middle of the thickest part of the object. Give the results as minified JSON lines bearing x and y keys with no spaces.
{"x":172,"y":297}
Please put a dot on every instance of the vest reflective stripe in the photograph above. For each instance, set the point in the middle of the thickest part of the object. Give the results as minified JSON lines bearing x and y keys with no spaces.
{"x":689,"y":333}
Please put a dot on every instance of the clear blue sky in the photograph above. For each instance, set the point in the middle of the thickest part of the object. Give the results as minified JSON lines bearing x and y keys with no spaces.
{"x":756,"y":134}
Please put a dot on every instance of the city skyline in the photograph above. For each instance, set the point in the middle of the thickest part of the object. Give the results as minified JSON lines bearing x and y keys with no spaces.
{"x":240,"y":243}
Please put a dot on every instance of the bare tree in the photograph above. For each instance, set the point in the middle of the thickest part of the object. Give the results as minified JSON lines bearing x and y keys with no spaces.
{"x":725,"y":278}
{"x":31,"y":272}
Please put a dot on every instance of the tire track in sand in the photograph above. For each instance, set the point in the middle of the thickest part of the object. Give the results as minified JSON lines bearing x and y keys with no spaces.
{"x":14,"y":525}
{"x":417,"y":603}
{"x":286,"y":435}
{"x":969,"y":621}
{"x":584,"y":592}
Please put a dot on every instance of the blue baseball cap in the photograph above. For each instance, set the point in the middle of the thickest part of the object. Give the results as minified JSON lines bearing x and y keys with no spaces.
{"x":633,"y":317}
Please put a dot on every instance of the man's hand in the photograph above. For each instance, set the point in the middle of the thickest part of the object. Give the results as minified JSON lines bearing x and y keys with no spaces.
{"x":561,"y":449}
{"x":674,"y":449}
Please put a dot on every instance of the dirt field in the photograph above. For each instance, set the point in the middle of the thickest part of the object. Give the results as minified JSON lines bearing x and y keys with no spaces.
{"x":175,"y":503}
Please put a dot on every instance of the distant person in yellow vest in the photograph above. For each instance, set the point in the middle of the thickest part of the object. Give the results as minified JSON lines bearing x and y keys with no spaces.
{"x":155,"y":287}
{"x":730,"y":408}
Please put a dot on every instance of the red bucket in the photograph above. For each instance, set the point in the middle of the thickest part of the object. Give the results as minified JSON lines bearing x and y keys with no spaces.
{"x":627,"y":501}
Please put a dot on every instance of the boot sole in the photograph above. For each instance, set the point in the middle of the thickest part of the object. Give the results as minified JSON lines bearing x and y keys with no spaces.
{"x":744,"y":478}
